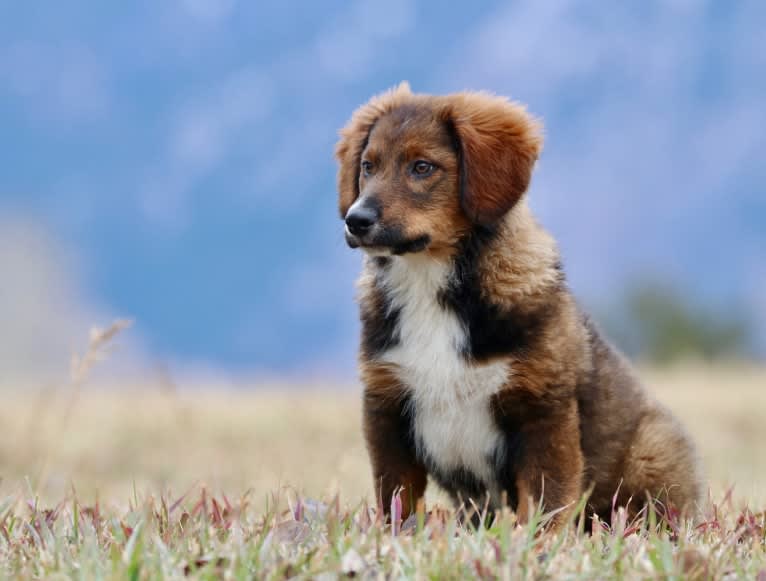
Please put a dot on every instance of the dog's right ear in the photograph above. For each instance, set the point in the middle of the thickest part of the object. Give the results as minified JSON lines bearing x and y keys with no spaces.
{"x":353,"y":140}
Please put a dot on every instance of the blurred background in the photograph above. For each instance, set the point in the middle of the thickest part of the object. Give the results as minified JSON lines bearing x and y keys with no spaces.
{"x":172,"y":163}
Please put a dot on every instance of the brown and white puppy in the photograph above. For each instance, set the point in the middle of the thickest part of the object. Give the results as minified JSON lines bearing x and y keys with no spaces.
{"x":479,"y":369}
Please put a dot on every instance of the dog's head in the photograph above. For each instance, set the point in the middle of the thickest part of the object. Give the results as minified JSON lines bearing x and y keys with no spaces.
{"x":417,"y":172}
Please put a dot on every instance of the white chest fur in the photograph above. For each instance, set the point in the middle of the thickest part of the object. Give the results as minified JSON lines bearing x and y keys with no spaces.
{"x":453,"y":423}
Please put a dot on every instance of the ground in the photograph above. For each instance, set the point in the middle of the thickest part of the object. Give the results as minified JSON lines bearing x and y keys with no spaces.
{"x":145,"y":481}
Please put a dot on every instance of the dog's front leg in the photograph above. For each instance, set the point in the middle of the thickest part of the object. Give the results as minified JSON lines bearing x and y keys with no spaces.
{"x":388,"y":432}
{"x":551,"y":466}
{"x":546,"y":457}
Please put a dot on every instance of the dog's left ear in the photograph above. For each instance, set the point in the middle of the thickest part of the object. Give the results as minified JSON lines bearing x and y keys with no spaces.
{"x":498,"y":143}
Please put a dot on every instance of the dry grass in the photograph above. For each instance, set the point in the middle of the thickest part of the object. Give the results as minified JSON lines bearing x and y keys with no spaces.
{"x":309,"y":439}
{"x":111,"y":464}
{"x":231,"y":441}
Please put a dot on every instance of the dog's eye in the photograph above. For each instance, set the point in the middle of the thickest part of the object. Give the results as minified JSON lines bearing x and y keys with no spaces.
{"x":422,"y":168}
{"x":366,"y":167}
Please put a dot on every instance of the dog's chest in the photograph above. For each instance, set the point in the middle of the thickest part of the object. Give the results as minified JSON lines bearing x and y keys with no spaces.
{"x":453,"y":425}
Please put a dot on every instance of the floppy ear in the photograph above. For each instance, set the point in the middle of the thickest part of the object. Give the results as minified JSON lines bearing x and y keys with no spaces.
{"x":353,"y":140}
{"x":499,"y":143}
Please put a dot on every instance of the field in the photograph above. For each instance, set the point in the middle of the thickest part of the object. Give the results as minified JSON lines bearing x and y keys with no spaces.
{"x":146,"y":482}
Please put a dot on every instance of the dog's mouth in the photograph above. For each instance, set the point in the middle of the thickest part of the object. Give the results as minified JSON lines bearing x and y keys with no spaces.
{"x":387,"y":242}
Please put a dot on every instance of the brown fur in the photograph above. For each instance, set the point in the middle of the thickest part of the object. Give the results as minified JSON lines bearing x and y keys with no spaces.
{"x":583,"y":417}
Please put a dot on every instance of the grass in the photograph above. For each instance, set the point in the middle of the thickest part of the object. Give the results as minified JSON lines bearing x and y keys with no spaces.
{"x":209,"y":537}
{"x":150,"y":481}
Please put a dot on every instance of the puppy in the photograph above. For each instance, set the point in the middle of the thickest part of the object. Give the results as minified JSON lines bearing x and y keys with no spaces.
{"x":479,"y":369}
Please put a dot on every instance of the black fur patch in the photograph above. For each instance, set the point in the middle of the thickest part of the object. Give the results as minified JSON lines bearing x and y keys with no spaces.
{"x":406,"y":425}
{"x":380,"y":324}
{"x":411,"y":246}
{"x":492,"y":331}
{"x":461,"y":484}
{"x":393,"y":237}
{"x":505,"y":462}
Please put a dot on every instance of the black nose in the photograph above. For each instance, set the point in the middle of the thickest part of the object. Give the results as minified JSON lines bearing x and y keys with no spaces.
{"x":360,"y":220}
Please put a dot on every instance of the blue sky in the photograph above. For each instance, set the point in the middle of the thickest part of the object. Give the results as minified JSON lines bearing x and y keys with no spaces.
{"x":172,"y":161}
